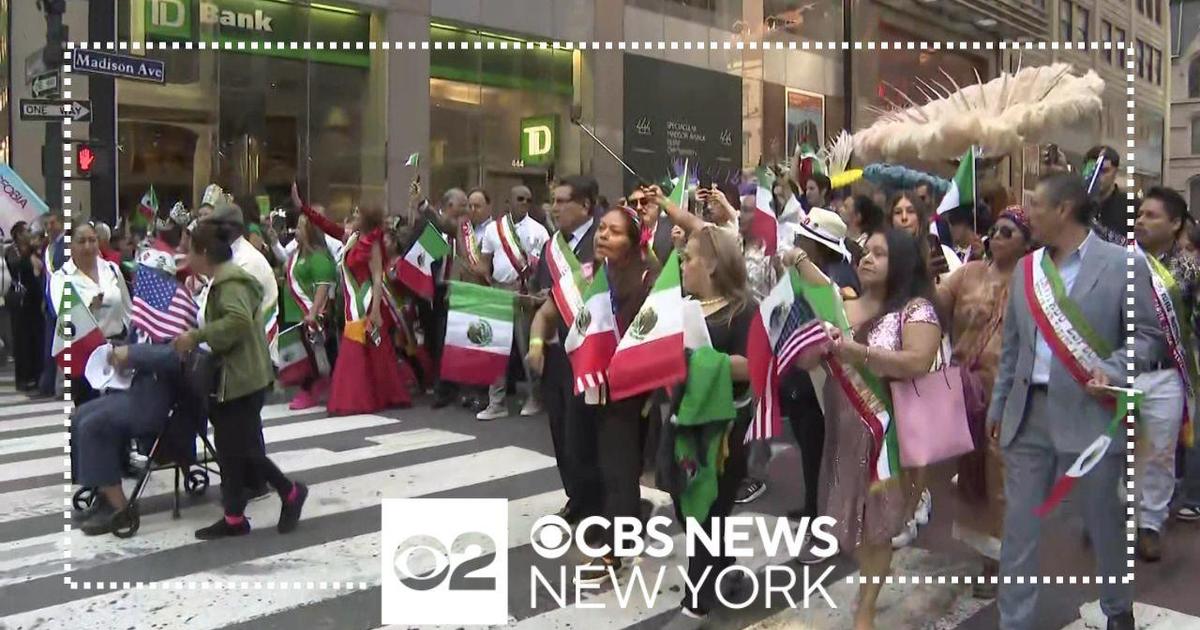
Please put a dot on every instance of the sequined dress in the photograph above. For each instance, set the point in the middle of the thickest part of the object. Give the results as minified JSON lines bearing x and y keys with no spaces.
{"x":863,"y":516}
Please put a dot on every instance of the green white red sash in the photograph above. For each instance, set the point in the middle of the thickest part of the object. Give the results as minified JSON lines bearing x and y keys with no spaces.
{"x":1077,"y":346}
{"x":357,"y":297}
{"x":1166,"y":296}
{"x":303,"y":300}
{"x":567,"y":278}
{"x":510,"y":242}
{"x":470,"y":243}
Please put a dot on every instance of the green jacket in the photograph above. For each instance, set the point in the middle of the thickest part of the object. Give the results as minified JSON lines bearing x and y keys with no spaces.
{"x":234,"y":330}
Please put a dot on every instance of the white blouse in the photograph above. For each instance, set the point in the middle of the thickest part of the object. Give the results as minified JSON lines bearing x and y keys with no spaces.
{"x":115,"y":303}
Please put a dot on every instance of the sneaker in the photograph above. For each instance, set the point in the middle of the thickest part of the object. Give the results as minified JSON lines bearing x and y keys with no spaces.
{"x":906,"y":537}
{"x":750,"y":490}
{"x":597,"y":570}
{"x":532,"y":407}
{"x":222,"y":529}
{"x":924,"y":508}
{"x":1149,"y":545}
{"x":493,"y":412}
{"x":303,"y":400}
{"x":807,"y":556}
{"x":99,"y":522}
{"x":1188,"y":514}
{"x":686,"y":620}
{"x":289,"y":512}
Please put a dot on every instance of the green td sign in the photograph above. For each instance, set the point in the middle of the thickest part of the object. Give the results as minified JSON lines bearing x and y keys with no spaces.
{"x":539,"y":139}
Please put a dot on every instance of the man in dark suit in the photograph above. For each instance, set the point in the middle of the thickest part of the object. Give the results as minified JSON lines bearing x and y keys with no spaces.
{"x":572,"y":422}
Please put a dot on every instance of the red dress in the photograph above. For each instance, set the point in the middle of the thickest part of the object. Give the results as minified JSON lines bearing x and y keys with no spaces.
{"x":367,"y":378}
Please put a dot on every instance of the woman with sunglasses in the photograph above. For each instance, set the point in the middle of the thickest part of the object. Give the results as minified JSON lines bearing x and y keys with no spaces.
{"x":973,"y":300}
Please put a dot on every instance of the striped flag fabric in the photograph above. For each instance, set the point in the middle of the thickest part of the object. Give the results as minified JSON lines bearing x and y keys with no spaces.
{"x":148,"y":206}
{"x":162,"y":308}
{"x":651,"y":353}
{"x":809,"y":336}
{"x":765,"y":225}
{"x":479,"y":334}
{"x":415,"y":270}
{"x":294,"y":364}
{"x":76,"y":333}
{"x":593,"y":339}
{"x":962,"y":187}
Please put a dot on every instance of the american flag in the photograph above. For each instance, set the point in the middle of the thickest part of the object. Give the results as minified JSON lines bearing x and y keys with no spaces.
{"x":801,"y":331}
{"x":162,"y":308}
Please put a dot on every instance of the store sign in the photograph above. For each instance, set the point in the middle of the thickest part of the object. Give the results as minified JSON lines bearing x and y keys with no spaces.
{"x":261,"y":20}
{"x":538,"y":135}
{"x":665,"y":123}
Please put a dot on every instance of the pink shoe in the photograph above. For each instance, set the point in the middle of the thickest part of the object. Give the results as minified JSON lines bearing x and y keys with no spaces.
{"x":303,"y":400}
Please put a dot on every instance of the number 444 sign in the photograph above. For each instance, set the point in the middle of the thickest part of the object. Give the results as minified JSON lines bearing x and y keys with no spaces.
{"x":444,"y":561}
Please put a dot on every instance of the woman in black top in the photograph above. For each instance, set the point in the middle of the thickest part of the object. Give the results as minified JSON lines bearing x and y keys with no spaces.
{"x":714,"y":273}
{"x":25,"y":299}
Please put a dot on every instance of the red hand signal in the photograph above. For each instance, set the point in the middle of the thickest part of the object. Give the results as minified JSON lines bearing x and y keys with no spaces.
{"x":86,"y":157}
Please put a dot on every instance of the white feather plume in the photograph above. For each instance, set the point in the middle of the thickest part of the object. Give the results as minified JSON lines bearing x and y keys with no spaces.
{"x":836,"y":154}
{"x":997,"y":116}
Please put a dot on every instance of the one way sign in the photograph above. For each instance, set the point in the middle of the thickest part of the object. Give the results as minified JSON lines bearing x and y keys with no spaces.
{"x":34,"y":109}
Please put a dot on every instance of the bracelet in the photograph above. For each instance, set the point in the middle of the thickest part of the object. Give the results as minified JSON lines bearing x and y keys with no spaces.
{"x":867,"y":359}
{"x":536,"y":342}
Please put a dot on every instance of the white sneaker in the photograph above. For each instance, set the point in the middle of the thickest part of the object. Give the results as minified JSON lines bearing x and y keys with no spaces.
{"x":493,"y":412}
{"x":906,"y":537}
{"x":924,"y":508}
{"x":532,"y":407}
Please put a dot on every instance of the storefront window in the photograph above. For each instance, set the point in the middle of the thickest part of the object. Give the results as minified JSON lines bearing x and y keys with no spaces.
{"x":483,"y":108}
{"x":254,"y":121}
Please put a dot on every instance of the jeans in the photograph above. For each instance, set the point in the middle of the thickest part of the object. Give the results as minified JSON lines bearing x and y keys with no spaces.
{"x":1161,"y":415}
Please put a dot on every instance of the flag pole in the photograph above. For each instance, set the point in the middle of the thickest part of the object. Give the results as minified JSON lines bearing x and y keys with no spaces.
{"x":575,"y":119}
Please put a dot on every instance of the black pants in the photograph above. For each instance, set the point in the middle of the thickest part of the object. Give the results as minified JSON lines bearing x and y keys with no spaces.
{"x":237,"y":436}
{"x":620,"y":434}
{"x":433,"y":321}
{"x":573,"y":431}
{"x":803,"y":410}
{"x":29,"y":331}
{"x":727,"y":487}
{"x":81,"y":391}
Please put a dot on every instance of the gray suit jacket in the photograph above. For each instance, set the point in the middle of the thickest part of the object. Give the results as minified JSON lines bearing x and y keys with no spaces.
{"x":1099,"y":290}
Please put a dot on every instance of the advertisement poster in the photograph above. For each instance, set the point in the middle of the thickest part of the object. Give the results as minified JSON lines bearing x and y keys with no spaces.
{"x":675,"y":112}
{"x":805,"y":119}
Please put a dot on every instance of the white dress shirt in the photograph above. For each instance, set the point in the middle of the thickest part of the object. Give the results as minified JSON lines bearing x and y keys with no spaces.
{"x":115,"y":303}
{"x":254,"y":263}
{"x":533,"y":238}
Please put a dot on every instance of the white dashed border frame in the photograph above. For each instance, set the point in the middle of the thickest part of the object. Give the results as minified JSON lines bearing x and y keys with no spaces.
{"x":68,"y":159}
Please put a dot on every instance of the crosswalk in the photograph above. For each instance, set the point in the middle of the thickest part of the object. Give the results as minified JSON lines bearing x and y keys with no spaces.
{"x":326,"y":574}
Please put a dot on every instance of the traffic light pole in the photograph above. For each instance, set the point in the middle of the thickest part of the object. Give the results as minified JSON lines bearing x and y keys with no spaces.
{"x":102,"y":90}
{"x":52,"y":151}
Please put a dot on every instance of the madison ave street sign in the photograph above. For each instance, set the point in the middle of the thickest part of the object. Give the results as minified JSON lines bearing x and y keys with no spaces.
{"x":120,"y":66}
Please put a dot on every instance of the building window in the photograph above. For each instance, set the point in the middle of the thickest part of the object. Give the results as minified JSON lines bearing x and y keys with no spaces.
{"x":1140,"y":51}
{"x":1194,"y":77}
{"x":1158,"y":11}
{"x":1106,"y":30}
{"x":1194,"y":192}
{"x":1083,"y":24}
{"x":1158,"y":60}
{"x":1196,"y":136}
{"x":1121,"y":47}
{"x":1064,"y":20}
{"x":1142,"y":7}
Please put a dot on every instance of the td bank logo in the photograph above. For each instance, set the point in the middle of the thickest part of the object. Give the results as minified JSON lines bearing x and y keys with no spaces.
{"x":538,"y":144}
{"x":173,"y":18}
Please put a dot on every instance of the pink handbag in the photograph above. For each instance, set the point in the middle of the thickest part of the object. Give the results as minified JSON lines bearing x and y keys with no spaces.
{"x":930,"y":413}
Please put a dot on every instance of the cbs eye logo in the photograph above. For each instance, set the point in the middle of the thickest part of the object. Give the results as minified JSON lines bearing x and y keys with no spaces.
{"x":550,"y":536}
{"x":422,"y":562}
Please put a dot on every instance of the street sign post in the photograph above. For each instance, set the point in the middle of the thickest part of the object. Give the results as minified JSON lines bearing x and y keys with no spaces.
{"x":56,"y":110}
{"x":120,"y":66}
{"x":46,"y":85}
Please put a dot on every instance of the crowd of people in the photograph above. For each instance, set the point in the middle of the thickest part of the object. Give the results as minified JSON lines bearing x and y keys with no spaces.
{"x":1027,"y":303}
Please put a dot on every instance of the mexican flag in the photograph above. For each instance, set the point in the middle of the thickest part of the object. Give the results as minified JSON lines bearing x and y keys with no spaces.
{"x":765,"y":332}
{"x":650,"y":354}
{"x":414,"y":270}
{"x":76,"y":333}
{"x":962,"y":188}
{"x":294,"y":365}
{"x":703,"y":423}
{"x":566,"y":276}
{"x":148,"y":206}
{"x":679,"y":193}
{"x":1091,"y":173}
{"x":479,"y":334}
{"x":593,"y":339}
{"x":764,"y":226}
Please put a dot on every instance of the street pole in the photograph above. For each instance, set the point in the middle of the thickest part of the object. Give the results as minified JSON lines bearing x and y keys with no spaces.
{"x":102,"y":130}
{"x":848,"y":65}
{"x":52,"y":55}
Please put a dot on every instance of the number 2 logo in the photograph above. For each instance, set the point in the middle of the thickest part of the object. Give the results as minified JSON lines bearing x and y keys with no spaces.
{"x":422,"y":562}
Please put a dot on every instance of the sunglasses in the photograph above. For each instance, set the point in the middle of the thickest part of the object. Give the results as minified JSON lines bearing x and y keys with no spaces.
{"x":640,"y":201}
{"x":522,"y":199}
{"x":1004,"y":231}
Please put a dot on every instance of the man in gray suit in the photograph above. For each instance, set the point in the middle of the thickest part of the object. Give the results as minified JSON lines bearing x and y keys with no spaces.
{"x":1044,"y":418}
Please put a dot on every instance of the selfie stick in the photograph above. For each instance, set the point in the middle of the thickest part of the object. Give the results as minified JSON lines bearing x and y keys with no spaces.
{"x":576,"y":121}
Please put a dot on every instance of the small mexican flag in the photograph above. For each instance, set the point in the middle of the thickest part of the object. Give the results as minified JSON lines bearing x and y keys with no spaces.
{"x":765,"y":226}
{"x":148,"y":206}
{"x":76,"y":333}
{"x":413,"y":160}
{"x":294,"y":365}
{"x":703,"y":424}
{"x":962,"y":189}
{"x":593,"y":339}
{"x":414,"y":270}
{"x":650,"y":354}
{"x":679,"y":194}
{"x":1091,"y":173}
{"x":479,"y":334}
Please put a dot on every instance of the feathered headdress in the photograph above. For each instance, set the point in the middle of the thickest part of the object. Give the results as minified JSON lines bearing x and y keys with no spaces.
{"x":836,"y":156}
{"x":998,"y":116}
{"x":896,"y":177}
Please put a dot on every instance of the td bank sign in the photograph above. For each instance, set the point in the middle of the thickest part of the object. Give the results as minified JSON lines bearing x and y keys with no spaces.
{"x":174,"y":17}
{"x":538,"y":139}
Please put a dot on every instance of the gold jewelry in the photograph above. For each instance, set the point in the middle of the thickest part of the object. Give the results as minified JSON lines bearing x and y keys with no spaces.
{"x":711,"y":301}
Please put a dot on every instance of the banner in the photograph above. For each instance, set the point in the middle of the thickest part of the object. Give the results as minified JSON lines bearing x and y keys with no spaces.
{"x":17,"y":201}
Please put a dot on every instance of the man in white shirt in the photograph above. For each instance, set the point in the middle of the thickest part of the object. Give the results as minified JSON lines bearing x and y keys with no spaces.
{"x":250,"y":259}
{"x":512,"y":265}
